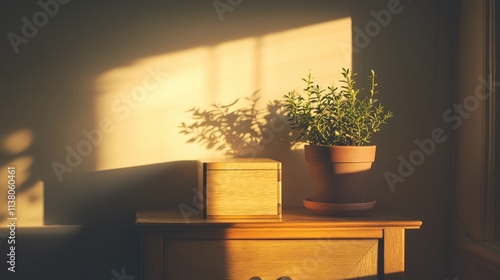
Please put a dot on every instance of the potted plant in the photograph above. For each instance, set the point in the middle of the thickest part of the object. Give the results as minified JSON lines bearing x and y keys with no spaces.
{"x":337,"y":125}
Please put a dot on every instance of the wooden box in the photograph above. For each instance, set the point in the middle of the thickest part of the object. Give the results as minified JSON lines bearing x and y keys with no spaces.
{"x":240,"y":188}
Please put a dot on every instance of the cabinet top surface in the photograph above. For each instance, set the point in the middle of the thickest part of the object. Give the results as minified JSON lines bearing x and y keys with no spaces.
{"x":291,"y":218}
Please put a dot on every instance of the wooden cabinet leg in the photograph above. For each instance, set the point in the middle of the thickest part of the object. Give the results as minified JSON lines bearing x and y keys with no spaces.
{"x":394,"y":253}
{"x":152,"y":256}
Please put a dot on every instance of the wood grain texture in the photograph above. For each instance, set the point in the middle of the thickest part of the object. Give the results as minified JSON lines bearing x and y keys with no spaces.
{"x":271,"y":259}
{"x":394,"y":253}
{"x":361,"y":247}
{"x":248,"y":188}
{"x":272,"y":233}
{"x":292,"y":218}
{"x":242,"y":193}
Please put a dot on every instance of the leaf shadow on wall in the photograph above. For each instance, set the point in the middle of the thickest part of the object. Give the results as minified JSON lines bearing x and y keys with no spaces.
{"x":241,"y":129}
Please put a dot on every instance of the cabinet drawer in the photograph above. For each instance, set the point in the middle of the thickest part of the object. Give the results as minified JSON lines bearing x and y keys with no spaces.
{"x":270,"y":259}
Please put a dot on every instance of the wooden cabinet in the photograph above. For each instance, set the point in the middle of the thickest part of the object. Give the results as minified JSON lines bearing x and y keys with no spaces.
{"x":297,"y":246}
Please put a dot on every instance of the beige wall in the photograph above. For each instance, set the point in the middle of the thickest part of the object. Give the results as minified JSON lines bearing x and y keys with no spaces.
{"x":84,"y":69}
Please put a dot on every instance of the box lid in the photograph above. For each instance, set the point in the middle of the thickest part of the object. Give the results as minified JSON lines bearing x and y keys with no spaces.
{"x":239,"y":163}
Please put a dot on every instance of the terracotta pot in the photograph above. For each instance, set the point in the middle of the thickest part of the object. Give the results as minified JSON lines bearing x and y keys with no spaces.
{"x":339,"y":174}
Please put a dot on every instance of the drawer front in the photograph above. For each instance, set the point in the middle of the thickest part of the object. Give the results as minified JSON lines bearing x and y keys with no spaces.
{"x":271,"y":259}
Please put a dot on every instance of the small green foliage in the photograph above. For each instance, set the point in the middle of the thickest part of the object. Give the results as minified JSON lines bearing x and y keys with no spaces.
{"x":332,"y":116}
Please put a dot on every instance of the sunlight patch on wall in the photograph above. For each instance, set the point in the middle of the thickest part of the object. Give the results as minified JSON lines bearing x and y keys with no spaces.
{"x":27,"y":191}
{"x":17,"y":142}
{"x":143,"y":103}
{"x":288,"y":56}
{"x":233,"y":68}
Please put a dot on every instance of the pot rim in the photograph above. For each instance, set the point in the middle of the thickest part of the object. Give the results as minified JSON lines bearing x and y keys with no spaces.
{"x":351,"y":154}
